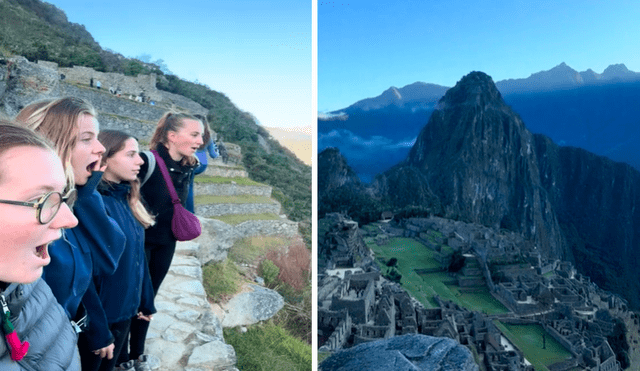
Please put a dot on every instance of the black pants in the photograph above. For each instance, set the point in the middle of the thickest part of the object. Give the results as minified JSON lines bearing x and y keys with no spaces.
{"x":92,"y":362}
{"x":159,"y":259}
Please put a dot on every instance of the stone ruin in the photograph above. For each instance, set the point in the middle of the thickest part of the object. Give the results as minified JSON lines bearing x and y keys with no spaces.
{"x":365,"y":307}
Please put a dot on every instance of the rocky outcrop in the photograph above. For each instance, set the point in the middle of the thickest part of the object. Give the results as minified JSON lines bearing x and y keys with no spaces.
{"x":218,"y":237}
{"x":477,"y":160}
{"x":255,"y":304}
{"x":408,"y":352}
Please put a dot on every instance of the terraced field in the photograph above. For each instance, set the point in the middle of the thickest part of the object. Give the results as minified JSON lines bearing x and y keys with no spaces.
{"x":529,"y":339}
{"x":423,"y":277}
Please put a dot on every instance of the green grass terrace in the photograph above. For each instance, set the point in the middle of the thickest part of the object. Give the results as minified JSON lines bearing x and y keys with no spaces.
{"x":423,"y":276}
{"x":529,"y":339}
{"x":223,"y":180}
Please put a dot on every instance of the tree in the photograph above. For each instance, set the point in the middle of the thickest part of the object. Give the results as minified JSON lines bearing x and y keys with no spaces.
{"x":392,"y":262}
{"x":457,"y":262}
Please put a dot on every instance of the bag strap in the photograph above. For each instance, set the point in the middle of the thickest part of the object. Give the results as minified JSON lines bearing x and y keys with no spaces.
{"x":167,"y":178}
{"x":151,"y":159}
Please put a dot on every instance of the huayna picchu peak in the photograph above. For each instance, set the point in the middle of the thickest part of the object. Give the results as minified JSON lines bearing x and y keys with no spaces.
{"x":475,"y":161}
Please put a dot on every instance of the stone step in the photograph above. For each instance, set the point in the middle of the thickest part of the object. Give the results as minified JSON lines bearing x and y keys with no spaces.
{"x":230,"y":189}
{"x":184,"y":334}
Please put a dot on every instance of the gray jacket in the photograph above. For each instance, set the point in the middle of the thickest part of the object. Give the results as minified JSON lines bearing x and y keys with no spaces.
{"x":40,"y":320}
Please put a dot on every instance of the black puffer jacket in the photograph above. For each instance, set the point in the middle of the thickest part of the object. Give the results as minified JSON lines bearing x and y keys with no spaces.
{"x":40,"y":320}
{"x":156,"y":195}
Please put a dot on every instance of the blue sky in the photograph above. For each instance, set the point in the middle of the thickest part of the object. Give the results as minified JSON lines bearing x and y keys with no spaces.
{"x":364,"y":47}
{"x":258,"y":53}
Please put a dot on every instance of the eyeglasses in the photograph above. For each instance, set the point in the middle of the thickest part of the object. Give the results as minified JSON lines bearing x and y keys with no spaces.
{"x":48,"y":205}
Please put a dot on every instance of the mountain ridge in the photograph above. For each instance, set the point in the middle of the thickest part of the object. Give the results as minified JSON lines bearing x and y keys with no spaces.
{"x":561,"y":75}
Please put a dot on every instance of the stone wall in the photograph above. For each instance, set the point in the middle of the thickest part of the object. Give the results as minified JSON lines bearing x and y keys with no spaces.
{"x":231,"y":189}
{"x":227,"y":209}
{"x":252,"y":228}
{"x":339,"y":336}
{"x":127,"y":84}
{"x":25,"y":82}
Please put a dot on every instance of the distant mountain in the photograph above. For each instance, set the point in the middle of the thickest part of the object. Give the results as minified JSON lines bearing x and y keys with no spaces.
{"x":563,"y":76}
{"x":475,"y":161}
{"x":418,"y":95}
{"x":340,"y":190}
{"x":597,"y":112}
{"x":296,"y":140}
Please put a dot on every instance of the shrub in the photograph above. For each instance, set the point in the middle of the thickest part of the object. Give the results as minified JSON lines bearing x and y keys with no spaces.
{"x":269,"y":271}
{"x":294,"y":265}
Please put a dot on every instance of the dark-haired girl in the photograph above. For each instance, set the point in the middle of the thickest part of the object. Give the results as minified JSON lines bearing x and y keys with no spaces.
{"x":128,"y":293}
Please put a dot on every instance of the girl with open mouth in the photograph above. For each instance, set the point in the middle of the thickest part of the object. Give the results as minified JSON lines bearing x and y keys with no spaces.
{"x":33,"y":212}
{"x":176,"y":139}
{"x":93,"y":248}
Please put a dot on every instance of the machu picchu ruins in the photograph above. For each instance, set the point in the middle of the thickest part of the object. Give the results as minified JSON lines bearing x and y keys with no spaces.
{"x":357,"y":304}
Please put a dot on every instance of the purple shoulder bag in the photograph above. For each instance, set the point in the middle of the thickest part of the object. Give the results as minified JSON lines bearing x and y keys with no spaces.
{"x":184,"y":225}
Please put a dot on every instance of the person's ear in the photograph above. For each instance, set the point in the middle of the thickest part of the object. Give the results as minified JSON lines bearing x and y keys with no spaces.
{"x":171,"y":136}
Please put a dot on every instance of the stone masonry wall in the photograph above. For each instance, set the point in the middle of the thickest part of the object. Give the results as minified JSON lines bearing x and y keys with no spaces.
{"x":226,"y":209}
{"x":231,"y":189}
{"x":127,"y":84}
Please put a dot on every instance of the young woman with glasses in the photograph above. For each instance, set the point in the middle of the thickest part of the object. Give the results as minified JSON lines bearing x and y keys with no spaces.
{"x":93,"y":248}
{"x":33,"y":211}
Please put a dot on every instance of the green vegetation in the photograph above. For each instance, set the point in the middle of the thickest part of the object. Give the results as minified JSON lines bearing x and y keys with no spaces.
{"x":269,"y":271}
{"x":238,"y":199}
{"x":423,"y":276}
{"x":222,"y":180}
{"x":235,"y":219}
{"x":268,"y":347}
{"x":250,"y":249}
{"x":529,"y":339}
{"x":221,"y":279}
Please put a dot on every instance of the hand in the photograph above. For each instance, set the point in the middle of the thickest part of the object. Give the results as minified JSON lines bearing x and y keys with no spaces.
{"x":99,"y":166}
{"x":105,"y":352}
{"x":143,"y":317}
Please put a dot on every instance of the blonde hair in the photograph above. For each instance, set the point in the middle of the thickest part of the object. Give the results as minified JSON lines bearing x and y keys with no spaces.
{"x":12,"y":136}
{"x":113,"y":142}
{"x":171,"y":121}
{"x":57,"y":120}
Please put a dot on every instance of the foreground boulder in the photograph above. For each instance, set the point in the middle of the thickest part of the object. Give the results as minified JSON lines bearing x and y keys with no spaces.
{"x":407,"y":352}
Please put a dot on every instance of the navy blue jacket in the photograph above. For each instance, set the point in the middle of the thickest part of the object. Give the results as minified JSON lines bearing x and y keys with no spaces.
{"x":129,"y":289}
{"x":91,"y":249}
